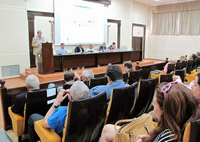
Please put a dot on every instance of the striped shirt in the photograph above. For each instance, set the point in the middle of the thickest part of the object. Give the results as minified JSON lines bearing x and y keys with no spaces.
{"x":165,"y":136}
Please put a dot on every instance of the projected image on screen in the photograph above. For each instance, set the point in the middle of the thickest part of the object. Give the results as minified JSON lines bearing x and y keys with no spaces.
{"x":79,"y":22}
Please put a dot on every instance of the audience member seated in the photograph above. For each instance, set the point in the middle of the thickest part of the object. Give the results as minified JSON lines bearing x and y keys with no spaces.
{"x":113,"y":46}
{"x":62,"y":50}
{"x":198,"y":54}
{"x":79,"y":48}
{"x":194,"y":85}
{"x":56,"y":116}
{"x":86,"y":76}
{"x":90,"y":49}
{"x":102,"y":47}
{"x":128,"y":67}
{"x":172,"y":122}
{"x":115,"y":80}
{"x":68,"y":78}
{"x":192,"y":57}
{"x":173,"y":61}
{"x":183,"y":58}
{"x":32,"y":84}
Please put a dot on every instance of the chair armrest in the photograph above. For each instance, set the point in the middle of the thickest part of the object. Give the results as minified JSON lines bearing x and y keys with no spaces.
{"x":154,"y":75}
{"x":46,"y":135}
{"x":162,"y":72}
{"x":17,"y":123}
{"x":190,"y":77}
{"x":155,"y":124}
{"x":193,"y":72}
{"x":186,"y":135}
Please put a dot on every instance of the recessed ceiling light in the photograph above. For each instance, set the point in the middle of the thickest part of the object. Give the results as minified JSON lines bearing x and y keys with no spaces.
{"x":157,"y":0}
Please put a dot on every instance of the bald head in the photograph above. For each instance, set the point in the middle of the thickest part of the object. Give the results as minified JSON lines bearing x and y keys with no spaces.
{"x":32,"y":82}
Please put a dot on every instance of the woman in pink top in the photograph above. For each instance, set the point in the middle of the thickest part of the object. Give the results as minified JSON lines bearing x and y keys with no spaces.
{"x":172,"y":61}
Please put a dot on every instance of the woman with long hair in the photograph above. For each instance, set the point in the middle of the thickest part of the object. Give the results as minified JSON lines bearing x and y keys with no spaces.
{"x":174,"y":106}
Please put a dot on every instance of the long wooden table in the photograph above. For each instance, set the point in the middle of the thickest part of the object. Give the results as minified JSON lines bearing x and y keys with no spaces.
{"x":94,"y":59}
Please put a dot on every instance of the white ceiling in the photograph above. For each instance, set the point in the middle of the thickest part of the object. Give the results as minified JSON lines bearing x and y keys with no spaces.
{"x":161,"y":2}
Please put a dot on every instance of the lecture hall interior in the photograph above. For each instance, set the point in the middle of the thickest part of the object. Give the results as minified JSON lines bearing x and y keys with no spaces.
{"x":100,"y":70}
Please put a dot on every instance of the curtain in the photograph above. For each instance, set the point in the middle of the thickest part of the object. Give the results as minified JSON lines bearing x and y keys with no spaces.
{"x":189,"y":23}
{"x":165,"y":24}
{"x":187,"y":6}
{"x":176,"y":19}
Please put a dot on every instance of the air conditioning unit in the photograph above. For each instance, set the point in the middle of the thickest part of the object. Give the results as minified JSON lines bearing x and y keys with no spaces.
{"x":105,"y":2}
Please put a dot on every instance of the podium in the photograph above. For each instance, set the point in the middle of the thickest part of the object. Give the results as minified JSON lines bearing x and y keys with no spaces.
{"x":45,"y":59}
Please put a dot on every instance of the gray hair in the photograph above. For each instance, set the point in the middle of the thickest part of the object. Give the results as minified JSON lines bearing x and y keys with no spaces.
{"x":32,"y":81}
{"x":79,"y":91}
{"x":88,"y":73}
{"x":174,"y":60}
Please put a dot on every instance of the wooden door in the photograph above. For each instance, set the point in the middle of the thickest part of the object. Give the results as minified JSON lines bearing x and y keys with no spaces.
{"x":137,"y":43}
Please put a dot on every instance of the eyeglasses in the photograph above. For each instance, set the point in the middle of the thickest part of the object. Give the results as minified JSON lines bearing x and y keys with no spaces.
{"x":167,"y":87}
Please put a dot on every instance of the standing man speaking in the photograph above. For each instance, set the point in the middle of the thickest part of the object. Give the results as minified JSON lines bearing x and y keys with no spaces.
{"x":37,"y":45}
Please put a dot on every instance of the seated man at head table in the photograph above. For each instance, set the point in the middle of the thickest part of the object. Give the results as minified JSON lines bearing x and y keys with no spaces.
{"x":79,"y":48}
{"x":68,"y":78}
{"x":102,"y":47}
{"x":62,"y":50}
{"x":112,"y":46}
{"x":128,"y":67}
{"x":90,"y":49}
{"x":86,"y":76}
{"x":32,"y":84}
{"x":115,"y":80}
{"x":56,"y":116}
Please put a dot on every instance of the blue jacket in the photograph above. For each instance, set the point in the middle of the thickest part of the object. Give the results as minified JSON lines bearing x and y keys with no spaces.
{"x":108,"y":88}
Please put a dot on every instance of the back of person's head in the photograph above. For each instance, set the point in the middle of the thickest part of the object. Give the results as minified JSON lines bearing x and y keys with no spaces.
{"x":113,"y":43}
{"x":178,"y":106}
{"x":114,"y":72}
{"x":87,"y":75}
{"x":32,"y":82}
{"x":128,"y":65}
{"x":194,"y":56}
{"x":79,"y":91}
{"x":68,"y":76}
{"x":183,"y":58}
{"x":198,"y":54}
{"x":172,"y":61}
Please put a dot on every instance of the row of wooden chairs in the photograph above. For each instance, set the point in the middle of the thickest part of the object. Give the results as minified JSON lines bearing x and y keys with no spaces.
{"x":125,"y":103}
{"x":36,"y":102}
{"x":133,"y":104}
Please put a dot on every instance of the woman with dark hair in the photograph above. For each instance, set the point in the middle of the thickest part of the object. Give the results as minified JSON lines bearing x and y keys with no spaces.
{"x":174,"y":106}
{"x":192,"y":57}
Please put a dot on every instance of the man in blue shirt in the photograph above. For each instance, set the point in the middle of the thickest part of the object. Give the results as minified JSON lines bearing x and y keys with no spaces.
{"x":56,"y":116}
{"x":115,"y":76}
{"x":62,"y":50}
